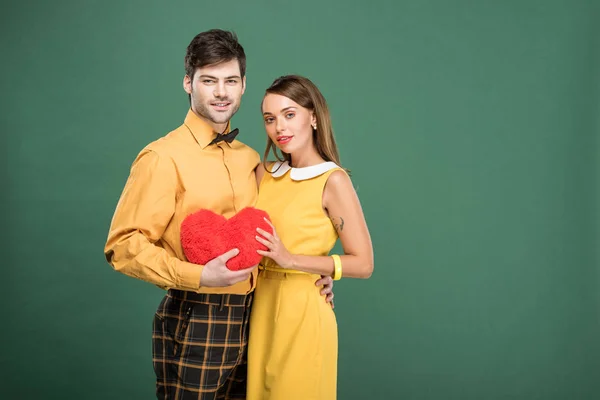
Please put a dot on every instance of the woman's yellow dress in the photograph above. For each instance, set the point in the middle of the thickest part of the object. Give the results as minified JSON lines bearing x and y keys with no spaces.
{"x":292,"y":351}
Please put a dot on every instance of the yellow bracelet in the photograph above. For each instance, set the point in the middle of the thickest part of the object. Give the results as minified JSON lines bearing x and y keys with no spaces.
{"x":337,"y":271}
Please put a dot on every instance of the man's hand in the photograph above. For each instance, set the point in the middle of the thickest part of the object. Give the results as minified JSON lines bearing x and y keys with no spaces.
{"x":216,"y":274}
{"x":327,"y":283}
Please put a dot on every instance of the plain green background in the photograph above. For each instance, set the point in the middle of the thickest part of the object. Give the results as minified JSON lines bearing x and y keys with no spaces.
{"x":471,"y":128}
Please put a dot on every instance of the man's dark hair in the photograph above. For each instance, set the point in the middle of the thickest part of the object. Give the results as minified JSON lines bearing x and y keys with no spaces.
{"x":214,"y":47}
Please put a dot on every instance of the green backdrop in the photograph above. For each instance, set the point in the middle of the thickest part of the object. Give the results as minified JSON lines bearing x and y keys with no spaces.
{"x":471,"y":128}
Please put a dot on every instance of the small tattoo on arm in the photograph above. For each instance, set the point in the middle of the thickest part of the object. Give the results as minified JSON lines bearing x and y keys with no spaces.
{"x":338,"y":223}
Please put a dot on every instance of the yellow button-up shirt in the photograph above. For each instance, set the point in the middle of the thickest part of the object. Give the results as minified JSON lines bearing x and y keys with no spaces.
{"x":171,"y":178}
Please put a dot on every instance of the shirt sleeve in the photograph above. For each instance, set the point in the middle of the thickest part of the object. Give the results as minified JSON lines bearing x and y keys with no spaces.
{"x":143,"y":212}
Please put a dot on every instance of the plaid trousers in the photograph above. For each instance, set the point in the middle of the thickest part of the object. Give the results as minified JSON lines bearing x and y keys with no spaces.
{"x":199,"y":346}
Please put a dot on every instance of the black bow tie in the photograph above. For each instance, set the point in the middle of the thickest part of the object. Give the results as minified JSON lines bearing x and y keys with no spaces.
{"x":228,"y":137}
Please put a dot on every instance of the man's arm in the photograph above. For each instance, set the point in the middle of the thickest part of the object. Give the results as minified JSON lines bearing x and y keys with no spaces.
{"x":145,"y":208}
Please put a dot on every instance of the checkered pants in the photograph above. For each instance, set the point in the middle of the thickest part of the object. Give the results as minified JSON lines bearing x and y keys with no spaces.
{"x":199,"y":346}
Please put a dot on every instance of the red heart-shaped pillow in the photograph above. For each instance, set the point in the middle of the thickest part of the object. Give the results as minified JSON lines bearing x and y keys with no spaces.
{"x":206,"y":235}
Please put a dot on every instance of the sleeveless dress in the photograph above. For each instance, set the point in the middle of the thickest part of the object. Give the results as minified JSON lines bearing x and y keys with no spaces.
{"x":292,"y":350}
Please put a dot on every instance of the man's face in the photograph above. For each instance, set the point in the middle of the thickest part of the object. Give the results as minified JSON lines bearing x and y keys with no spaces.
{"x":216,"y":92}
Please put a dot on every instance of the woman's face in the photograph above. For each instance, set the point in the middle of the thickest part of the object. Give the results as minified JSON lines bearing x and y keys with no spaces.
{"x":288,"y":124}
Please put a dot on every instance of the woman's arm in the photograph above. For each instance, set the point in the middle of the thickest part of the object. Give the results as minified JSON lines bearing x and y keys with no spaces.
{"x":344,"y":210}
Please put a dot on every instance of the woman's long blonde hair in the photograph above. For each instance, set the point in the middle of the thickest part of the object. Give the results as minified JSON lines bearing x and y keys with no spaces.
{"x":302,"y":91}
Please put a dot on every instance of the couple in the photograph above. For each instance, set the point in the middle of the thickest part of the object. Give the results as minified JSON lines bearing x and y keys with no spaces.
{"x":206,"y":343}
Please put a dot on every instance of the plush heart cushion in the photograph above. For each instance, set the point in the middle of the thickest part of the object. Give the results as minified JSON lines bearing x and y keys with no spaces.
{"x":206,"y":235}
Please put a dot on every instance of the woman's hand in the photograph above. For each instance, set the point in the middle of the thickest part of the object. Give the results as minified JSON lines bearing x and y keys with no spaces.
{"x":276,"y":250}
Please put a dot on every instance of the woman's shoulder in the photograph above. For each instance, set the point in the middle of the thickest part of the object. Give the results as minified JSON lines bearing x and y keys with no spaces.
{"x":338,"y":179}
{"x":338,"y":190}
{"x":266,"y":168}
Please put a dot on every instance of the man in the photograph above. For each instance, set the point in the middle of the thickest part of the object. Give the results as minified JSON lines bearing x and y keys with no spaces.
{"x":201,"y":325}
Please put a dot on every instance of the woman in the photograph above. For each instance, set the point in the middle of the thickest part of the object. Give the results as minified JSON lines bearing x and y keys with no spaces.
{"x":311,"y":202}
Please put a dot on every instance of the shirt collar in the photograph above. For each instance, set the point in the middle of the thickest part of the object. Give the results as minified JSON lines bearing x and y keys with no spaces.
{"x":201,"y":130}
{"x":301,"y":174}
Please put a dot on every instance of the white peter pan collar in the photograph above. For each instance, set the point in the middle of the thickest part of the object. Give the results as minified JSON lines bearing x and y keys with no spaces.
{"x":300,"y":174}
